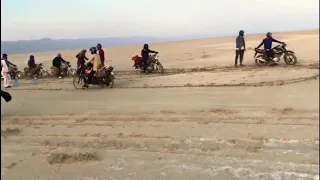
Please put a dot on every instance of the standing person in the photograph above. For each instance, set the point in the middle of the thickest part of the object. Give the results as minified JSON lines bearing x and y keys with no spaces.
{"x":240,"y":48}
{"x":56,"y":62}
{"x":5,"y":56}
{"x":5,"y":71}
{"x":81,"y":56}
{"x":145,"y":56}
{"x":101,"y":53}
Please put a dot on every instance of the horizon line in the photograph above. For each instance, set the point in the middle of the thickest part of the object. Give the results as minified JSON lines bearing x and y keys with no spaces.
{"x":123,"y":37}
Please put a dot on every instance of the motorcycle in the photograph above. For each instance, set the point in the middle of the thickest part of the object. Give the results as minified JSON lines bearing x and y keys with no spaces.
{"x":279,"y":51}
{"x":14,"y":73}
{"x":153,"y":64}
{"x":66,"y":70}
{"x":42,"y":73}
{"x":103,"y":77}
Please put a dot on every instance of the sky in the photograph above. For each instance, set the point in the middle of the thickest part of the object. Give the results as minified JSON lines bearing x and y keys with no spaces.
{"x":59,"y":19}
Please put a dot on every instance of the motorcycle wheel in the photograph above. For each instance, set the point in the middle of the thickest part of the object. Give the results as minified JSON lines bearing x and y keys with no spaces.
{"x":19,"y":75}
{"x":78,"y":82}
{"x":160,"y":68}
{"x":259,"y":62}
{"x":44,"y":74}
{"x":72,"y":72}
{"x":111,"y":83}
{"x":290,"y":59}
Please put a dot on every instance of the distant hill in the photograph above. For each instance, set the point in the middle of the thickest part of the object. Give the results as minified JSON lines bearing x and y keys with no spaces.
{"x":47,"y":44}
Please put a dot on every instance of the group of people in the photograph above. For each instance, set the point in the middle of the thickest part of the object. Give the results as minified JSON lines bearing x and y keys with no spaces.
{"x":98,"y":58}
{"x":96,"y":61}
{"x":34,"y":68}
{"x":267,"y":42}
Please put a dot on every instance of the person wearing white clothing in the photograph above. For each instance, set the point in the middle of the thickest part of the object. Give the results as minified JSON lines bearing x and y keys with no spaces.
{"x":5,"y":71}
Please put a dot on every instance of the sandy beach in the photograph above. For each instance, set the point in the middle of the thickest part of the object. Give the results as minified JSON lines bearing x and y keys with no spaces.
{"x":203,"y":119}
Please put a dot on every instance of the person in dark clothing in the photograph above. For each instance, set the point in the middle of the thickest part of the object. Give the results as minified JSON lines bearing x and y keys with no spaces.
{"x":81,"y":56}
{"x":145,"y":56}
{"x":33,"y":67}
{"x":240,"y":48}
{"x":6,"y":96}
{"x":32,"y":62}
{"x":56,"y":62}
{"x":267,"y":42}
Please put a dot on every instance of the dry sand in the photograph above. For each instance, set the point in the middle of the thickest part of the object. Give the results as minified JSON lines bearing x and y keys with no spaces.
{"x":202,"y":119}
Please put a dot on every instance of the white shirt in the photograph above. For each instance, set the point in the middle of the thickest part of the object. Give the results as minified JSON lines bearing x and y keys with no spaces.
{"x":4,"y":66}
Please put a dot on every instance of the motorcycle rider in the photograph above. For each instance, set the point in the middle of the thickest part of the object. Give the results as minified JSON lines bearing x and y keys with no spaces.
{"x":56,"y":62}
{"x":33,"y":67}
{"x":267,"y":42}
{"x":145,"y":56}
{"x":101,"y":53}
{"x":96,"y":62}
{"x":240,"y":48}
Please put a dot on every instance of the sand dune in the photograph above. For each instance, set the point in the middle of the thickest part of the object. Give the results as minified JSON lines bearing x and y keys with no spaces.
{"x":202,"y":119}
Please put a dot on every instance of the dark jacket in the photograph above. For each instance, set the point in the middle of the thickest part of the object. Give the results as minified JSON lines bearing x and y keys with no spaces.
{"x":57,"y":61}
{"x":81,"y":58}
{"x":240,"y":42}
{"x":267,"y":42}
{"x":31,"y":63}
{"x":145,"y":53}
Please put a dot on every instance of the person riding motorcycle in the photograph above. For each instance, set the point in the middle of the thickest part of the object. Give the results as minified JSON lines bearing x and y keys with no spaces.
{"x":96,"y":62}
{"x":145,"y":56}
{"x":267,"y":42}
{"x":33,"y":67}
{"x":56,"y":62}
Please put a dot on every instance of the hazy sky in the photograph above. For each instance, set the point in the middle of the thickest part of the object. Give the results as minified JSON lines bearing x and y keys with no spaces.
{"x":34,"y":19}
